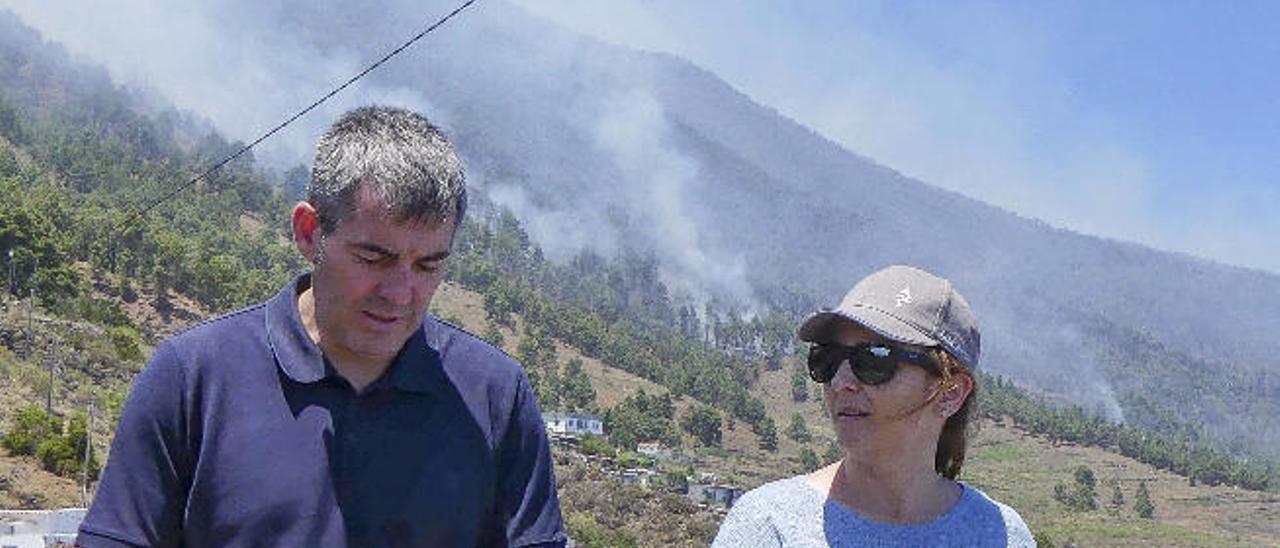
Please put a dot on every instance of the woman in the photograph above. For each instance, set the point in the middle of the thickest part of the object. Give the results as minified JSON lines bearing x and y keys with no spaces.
{"x":897,"y":361}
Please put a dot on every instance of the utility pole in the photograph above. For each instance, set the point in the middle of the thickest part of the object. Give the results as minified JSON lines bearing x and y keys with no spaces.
{"x":31,"y":309}
{"x":88,"y":450}
{"x":53,"y":362}
{"x":31,"y":312}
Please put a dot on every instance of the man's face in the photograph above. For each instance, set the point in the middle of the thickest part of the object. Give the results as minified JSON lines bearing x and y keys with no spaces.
{"x":373,"y":280}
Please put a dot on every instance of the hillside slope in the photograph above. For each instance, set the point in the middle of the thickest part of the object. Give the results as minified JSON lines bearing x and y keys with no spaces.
{"x":1012,"y":465}
{"x":1008,"y":463}
{"x":599,"y":148}
{"x":76,"y":148}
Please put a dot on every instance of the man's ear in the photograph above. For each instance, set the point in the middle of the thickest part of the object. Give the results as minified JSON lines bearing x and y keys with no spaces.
{"x":306,"y":230}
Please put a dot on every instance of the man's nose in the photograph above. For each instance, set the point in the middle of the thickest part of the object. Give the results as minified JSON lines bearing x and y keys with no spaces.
{"x":397,"y":286}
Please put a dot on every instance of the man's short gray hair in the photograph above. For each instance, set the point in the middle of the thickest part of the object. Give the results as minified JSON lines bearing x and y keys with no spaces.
{"x":398,"y":156}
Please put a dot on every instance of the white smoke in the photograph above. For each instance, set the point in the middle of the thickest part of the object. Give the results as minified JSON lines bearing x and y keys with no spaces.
{"x":633,"y":131}
{"x":246,"y":66}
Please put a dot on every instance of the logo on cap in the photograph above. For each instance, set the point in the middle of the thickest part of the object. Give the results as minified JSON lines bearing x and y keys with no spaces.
{"x":904,"y":297}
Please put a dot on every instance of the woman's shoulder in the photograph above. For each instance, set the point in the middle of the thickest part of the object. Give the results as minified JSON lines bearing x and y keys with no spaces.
{"x":978,"y":501}
{"x":760,"y":517}
{"x":792,"y":490}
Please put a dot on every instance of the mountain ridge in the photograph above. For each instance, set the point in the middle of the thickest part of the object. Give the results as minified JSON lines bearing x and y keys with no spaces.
{"x":597,"y":147}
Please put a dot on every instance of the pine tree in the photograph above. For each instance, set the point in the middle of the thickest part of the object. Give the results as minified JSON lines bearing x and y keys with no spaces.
{"x":798,"y":430}
{"x":799,"y":384}
{"x":768,"y":435}
{"x":1085,"y":496}
{"x":808,"y":460}
{"x":833,"y":452}
{"x":1142,"y":502}
{"x":575,"y":388}
{"x":492,"y":334}
{"x":703,"y":422}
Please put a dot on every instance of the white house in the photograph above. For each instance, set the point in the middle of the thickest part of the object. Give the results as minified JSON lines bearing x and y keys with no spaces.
{"x":573,"y":424}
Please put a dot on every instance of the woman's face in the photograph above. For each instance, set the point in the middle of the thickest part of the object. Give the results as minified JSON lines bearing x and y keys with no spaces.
{"x":889,"y":417}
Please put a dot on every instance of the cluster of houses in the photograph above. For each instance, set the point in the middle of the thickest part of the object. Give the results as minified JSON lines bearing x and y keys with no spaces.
{"x":39,"y":528}
{"x":567,"y":428}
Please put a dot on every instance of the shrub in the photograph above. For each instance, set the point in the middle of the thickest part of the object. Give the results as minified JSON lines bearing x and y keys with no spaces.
{"x":38,"y":433}
{"x":593,"y":445}
{"x":127,"y":343}
{"x":31,"y":427}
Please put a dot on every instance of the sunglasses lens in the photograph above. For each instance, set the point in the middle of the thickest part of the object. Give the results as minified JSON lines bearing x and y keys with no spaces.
{"x":871,"y":364}
{"x":874,"y":365}
{"x":823,"y":361}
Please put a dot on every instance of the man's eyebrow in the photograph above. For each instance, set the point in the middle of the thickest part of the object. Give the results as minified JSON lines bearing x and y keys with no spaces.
{"x":372,"y":247}
{"x":375,"y":248}
{"x":438,"y":256}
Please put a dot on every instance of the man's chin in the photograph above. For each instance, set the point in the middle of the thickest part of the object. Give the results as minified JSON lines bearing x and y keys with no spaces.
{"x":384,"y":346}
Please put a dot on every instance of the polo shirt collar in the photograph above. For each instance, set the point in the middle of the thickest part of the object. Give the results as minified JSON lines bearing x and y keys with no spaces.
{"x":416,"y":368}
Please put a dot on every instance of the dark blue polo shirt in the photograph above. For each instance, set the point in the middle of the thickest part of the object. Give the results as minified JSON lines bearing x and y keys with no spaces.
{"x":237,"y":433}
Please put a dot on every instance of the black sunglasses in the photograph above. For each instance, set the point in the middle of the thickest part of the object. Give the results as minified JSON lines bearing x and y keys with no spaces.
{"x":872,"y":363}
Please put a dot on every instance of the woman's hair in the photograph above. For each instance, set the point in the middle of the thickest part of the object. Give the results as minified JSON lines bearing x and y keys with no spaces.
{"x":954,"y":439}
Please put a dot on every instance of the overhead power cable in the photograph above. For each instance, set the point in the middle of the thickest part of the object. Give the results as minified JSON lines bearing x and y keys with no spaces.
{"x":168,"y":196}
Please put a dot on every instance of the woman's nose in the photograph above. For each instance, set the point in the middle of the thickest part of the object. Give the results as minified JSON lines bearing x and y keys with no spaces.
{"x":844,"y":379}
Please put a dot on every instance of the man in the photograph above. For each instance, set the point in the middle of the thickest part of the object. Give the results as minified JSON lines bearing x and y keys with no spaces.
{"x":339,"y":412}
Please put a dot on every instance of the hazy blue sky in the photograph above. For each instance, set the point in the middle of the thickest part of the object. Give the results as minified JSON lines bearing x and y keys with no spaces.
{"x":1149,"y":121}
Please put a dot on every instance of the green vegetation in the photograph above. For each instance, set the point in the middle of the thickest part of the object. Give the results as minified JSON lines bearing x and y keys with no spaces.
{"x":31,"y":427}
{"x":833,"y":452}
{"x":592,"y":445}
{"x":768,"y":435}
{"x":60,"y":450}
{"x":1142,"y":502}
{"x":1001,"y":452}
{"x":1181,"y":454}
{"x":94,"y":161}
{"x":642,"y":417}
{"x":808,"y":460}
{"x":600,"y":512}
{"x":69,"y":168}
{"x":798,"y":430}
{"x":1117,"y":497}
{"x":493,"y":334}
{"x":576,"y":391}
{"x":1082,"y":495}
{"x":584,"y":529}
{"x":703,"y":423}
{"x":799,"y":383}
{"x":619,"y":312}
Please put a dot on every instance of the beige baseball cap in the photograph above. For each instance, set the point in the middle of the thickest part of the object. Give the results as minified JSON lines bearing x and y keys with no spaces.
{"x":906,"y":305}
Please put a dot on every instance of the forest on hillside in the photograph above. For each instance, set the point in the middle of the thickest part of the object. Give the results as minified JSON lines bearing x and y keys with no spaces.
{"x":81,"y":157}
